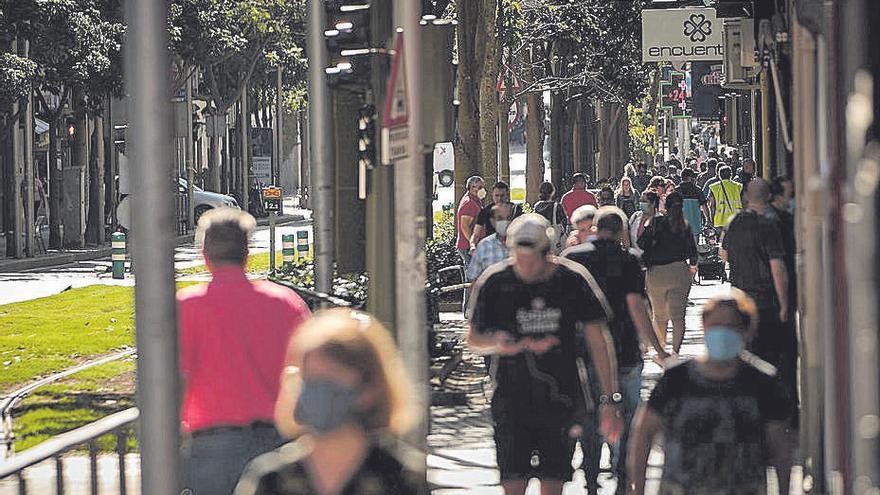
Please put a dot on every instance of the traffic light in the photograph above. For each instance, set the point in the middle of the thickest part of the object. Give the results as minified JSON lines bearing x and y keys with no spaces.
{"x":347,"y":35}
{"x":366,"y":142}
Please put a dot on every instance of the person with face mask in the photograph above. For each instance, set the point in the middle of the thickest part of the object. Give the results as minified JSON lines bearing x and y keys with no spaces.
{"x":492,"y":249}
{"x":345,"y":396}
{"x":483,"y":225}
{"x":722,"y":416}
{"x":465,"y":219}
{"x":582,"y":222}
{"x":649,"y":207}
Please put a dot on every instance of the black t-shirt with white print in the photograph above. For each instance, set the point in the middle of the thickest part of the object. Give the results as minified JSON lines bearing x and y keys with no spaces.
{"x":538,"y":389}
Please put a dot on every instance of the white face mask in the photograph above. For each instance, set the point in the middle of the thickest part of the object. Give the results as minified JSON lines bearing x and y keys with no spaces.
{"x":501,"y":227}
{"x":481,"y":193}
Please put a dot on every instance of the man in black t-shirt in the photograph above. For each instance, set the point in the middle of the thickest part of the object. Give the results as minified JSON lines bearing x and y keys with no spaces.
{"x":618,"y":274}
{"x":722,"y":416}
{"x":528,"y":311}
{"x":753,"y":246}
{"x":483,"y":224}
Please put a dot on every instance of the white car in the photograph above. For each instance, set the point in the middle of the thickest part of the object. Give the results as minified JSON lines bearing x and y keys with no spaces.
{"x":206,"y":200}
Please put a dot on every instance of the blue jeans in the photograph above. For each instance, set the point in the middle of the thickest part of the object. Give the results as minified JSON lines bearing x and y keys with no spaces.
{"x":630,"y":382}
{"x":213,"y":461}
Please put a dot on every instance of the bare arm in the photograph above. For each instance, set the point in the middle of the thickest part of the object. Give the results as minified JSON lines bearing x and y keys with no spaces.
{"x":286,"y":403}
{"x":711,"y":209}
{"x":780,"y":283}
{"x":602,"y":352}
{"x":722,"y":253}
{"x":645,"y":427}
{"x":635,"y":303}
{"x":467,"y":226}
{"x":779,"y":441}
{"x":498,"y":342}
{"x":477,"y":235}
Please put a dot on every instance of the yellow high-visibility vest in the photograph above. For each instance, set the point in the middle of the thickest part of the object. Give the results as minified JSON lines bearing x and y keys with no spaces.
{"x":727,"y":200}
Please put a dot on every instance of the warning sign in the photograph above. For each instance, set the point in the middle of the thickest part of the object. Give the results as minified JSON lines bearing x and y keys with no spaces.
{"x":396,"y":112}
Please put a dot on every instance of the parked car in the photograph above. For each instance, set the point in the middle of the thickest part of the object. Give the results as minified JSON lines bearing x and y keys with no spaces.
{"x":206,"y":200}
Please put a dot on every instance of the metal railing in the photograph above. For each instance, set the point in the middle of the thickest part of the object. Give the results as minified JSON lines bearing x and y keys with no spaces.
{"x":118,"y":424}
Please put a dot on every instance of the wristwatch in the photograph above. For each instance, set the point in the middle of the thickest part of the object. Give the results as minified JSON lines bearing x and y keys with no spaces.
{"x":613,"y":399}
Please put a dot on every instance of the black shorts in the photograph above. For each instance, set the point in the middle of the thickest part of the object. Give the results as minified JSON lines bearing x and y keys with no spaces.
{"x":516,"y":443}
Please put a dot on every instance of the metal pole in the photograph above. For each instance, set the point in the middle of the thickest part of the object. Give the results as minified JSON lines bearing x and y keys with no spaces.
{"x":321,"y":149}
{"x":410,"y":221}
{"x":29,"y":171}
{"x":244,"y":127}
{"x":279,"y":133}
{"x":156,"y":318}
{"x":188,"y":157}
{"x":271,"y":243}
{"x":16,"y":165}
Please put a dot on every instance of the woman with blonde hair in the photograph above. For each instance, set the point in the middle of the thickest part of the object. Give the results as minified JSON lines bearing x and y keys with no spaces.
{"x":344,"y":395}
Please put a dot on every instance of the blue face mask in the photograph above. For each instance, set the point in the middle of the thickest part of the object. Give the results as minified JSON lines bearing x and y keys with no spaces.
{"x":645,"y":206}
{"x":791,"y":205}
{"x":324,"y":406}
{"x":723,"y":343}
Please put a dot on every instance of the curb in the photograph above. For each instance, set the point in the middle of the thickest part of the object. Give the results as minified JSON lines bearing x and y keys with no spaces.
{"x":24,"y":264}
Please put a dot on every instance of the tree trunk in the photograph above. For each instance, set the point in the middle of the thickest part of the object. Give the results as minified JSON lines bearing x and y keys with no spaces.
{"x":467,"y":140}
{"x":557,"y":140}
{"x":55,"y":185}
{"x":305,"y":164}
{"x":73,"y":232}
{"x":504,"y":140}
{"x":534,"y":146}
{"x":488,"y":92}
{"x":95,"y":224}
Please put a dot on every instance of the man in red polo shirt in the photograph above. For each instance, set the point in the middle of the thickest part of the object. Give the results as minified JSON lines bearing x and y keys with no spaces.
{"x":233,"y":338}
{"x":578,"y":196}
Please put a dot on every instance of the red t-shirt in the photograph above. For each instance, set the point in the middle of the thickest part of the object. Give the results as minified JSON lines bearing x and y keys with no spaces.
{"x":574,"y":199}
{"x":233,"y":339}
{"x":468,"y":206}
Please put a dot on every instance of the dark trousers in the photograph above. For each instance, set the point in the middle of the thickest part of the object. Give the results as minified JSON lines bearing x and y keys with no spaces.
{"x":776,"y":343}
{"x":214,"y":460}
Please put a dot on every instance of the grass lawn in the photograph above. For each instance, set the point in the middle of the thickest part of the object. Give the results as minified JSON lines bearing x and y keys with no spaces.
{"x":257,"y":263}
{"x":76,"y":401}
{"x":54,"y":333}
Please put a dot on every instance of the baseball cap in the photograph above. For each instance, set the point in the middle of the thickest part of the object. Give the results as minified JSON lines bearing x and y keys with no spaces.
{"x":529,"y":231}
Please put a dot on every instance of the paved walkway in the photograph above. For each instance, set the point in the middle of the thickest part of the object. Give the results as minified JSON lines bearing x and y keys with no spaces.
{"x":463,"y":460}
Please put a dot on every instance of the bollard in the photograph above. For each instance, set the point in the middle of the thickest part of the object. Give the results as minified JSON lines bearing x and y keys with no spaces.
{"x":118,"y":254}
{"x":288,"y":249}
{"x":302,"y":244}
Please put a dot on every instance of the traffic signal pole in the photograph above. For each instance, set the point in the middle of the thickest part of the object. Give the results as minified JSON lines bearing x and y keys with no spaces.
{"x":155,"y":305}
{"x":409,"y":180}
{"x":321,"y":156}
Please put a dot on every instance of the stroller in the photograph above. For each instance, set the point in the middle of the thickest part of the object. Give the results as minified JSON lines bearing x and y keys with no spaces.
{"x":710,"y":266}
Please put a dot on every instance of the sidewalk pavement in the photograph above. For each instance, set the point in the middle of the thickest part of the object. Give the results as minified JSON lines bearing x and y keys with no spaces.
{"x":56,"y":258}
{"x":461,"y":447}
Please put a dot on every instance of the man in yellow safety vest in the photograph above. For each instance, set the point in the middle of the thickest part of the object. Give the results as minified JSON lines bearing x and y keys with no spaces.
{"x":725,"y":200}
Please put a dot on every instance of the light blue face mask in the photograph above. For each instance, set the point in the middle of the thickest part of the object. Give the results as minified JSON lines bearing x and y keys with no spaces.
{"x":791,"y":205}
{"x":645,"y":206}
{"x":723,"y":343}
{"x":324,"y":406}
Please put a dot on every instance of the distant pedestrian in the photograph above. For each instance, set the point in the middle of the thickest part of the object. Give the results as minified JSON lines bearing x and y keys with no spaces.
{"x":469,"y":209}
{"x":629,"y":170}
{"x":649,"y":207}
{"x":578,"y":195}
{"x":618,"y":274}
{"x":641,"y":181}
{"x":582,"y":225}
{"x":233,"y":336}
{"x":754,"y":248}
{"x":347,"y":400}
{"x":529,"y":312}
{"x":606,"y":196}
{"x":493,"y":248}
{"x":552,"y":210}
{"x":483,"y":226}
{"x":627,"y":199}
{"x":695,"y":204}
{"x":745,"y":174}
{"x":725,"y":199}
{"x":711,"y":176}
{"x":671,"y":257}
{"x":672,"y":168}
{"x":722,"y":417}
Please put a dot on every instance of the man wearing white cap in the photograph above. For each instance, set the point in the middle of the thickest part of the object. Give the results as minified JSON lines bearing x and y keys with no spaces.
{"x":528,"y":311}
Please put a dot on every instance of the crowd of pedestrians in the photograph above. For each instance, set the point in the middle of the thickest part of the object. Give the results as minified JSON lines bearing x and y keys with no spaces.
{"x":568,"y":301}
{"x":569,"y":330}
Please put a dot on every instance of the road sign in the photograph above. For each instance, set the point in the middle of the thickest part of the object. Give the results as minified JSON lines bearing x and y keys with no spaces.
{"x":272,"y":198}
{"x":501,"y":86}
{"x":394,"y":144}
{"x":396,"y":106}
